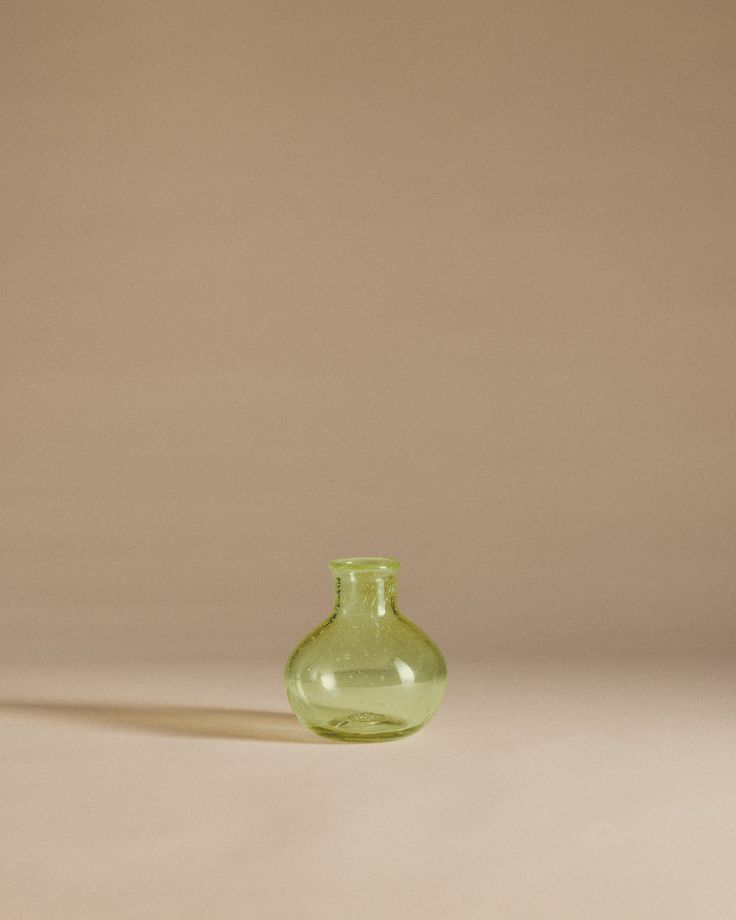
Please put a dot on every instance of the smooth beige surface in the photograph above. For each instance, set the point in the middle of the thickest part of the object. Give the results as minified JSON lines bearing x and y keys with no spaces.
{"x":284,"y":281}
{"x":552,"y":791}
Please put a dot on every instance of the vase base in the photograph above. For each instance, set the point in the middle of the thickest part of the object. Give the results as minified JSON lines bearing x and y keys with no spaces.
{"x":365,"y":726}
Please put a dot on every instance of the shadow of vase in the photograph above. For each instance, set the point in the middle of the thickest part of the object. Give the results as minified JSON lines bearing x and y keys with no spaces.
{"x":180,"y":721}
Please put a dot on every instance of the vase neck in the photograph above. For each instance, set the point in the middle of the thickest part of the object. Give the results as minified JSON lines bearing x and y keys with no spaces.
{"x":365,"y":594}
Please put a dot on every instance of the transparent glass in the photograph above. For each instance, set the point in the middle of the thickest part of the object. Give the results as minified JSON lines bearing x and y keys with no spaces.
{"x":366,"y":673}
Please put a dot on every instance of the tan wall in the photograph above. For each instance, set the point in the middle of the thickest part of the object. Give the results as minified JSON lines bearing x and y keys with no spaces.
{"x":290,"y":280}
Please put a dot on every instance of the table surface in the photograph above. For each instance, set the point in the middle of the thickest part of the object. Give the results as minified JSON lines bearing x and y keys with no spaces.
{"x":540,"y":790}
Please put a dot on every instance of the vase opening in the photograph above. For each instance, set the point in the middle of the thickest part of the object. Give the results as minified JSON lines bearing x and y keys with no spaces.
{"x":374,"y":564}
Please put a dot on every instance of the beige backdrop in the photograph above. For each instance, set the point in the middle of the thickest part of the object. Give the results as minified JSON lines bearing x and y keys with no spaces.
{"x":449,"y":281}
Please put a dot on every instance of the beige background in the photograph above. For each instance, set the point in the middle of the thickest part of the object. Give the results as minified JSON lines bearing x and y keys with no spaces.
{"x":451,"y":282}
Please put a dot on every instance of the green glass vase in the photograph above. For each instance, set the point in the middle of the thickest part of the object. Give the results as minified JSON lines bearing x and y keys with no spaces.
{"x":366,"y":673}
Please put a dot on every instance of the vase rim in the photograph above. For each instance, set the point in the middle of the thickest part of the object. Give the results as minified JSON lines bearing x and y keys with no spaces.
{"x":364,"y":564}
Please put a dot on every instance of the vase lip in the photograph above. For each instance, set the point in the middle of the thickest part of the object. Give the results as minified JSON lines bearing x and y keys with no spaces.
{"x":379,"y":564}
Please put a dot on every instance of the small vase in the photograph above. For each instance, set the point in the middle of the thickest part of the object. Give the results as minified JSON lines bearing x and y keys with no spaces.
{"x":366,"y":673}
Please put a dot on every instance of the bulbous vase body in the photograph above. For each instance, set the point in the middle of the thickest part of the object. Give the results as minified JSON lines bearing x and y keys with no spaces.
{"x":366,"y":673}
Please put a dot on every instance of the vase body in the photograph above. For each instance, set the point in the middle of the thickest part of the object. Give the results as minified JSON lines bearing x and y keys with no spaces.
{"x":366,"y":673}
